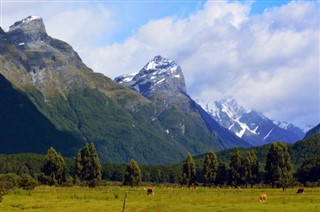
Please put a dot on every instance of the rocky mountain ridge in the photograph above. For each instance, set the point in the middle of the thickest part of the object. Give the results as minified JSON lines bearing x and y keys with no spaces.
{"x":55,"y":87}
{"x":251,"y":125}
{"x":161,"y":81}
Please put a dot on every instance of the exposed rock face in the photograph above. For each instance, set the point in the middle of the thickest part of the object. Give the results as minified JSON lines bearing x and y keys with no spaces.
{"x":2,"y":33}
{"x":159,"y":75}
{"x":51,"y":65}
{"x":160,"y":79}
{"x":2,"y":39}
{"x":30,"y":29}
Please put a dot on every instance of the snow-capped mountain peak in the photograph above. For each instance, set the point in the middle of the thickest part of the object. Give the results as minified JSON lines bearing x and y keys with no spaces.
{"x":160,"y":79}
{"x":230,"y":106}
{"x":161,"y":64}
{"x":250,"y":125}
{"x":25,"y":21}
{"x":28,"y":31}
{"x":158,"y":74}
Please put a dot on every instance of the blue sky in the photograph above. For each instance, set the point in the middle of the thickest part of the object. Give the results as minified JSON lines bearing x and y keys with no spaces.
{"x":258,"y":7}
{"x":263,"y":53}
{"x":134,"y":14}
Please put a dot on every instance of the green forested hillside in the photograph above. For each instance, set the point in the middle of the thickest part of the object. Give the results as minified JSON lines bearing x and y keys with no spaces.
{"x":34,"y":123}
{"x":49,"y":97}
{"x":299,"y":152}
{"x":24,"y":129}
{"x":305,"y":149}
{"x":32,"y":163}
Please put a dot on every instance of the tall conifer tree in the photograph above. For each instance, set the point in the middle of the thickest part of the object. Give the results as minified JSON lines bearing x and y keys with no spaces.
{"x":188,"y":171}
{"x":210,"y":166}
{"x":236,"y":168}
{"x":132,"y":175}
{"x":87,"y":166}
{"x":54,"y":168}
{"x":278,"y":166}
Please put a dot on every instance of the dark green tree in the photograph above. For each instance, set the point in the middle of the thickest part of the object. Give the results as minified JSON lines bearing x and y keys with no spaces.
{"x":278,"y":166}
{"x":309,"y":171}
{"x":132,"y":175}
{"x":87,"y":166}
{"x":250,"y":168}
{"x":188,"y":172}
{"x":54,"y":168}
{"x":236,"y":169}
{"x":222,"y":174}
{"x":210,"y":167}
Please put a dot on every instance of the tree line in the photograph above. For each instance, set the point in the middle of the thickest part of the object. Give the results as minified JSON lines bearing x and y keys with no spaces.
{"x":243,"y":170}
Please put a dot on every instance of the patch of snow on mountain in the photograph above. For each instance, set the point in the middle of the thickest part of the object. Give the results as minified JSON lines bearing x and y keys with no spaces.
{"x":151,"y":65}
{"x":161,"y":65}
{"x":245,"y":128}
{"x":160,"y":81}
{"x":265,"y":137}
{"x":18,"y":24}
{"x":230,"y":104}
{"x":127,"y":77}
{"x":210,"y":106}
{"x":282,"y":124}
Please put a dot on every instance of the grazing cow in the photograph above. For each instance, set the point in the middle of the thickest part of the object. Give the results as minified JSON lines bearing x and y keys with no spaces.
{"x":150,"y":191}
{"x":300,"y":191}
{"x":263,"y":197}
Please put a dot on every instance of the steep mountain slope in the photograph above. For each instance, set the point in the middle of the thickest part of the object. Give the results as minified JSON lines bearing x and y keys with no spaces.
{"x":77,"y":101}
{"x":292,"y":128}
{"x":25,"y":129}
{"x":313,"y":131}
{"x":252,"y":126}
{"x":64,"y":104}
{"x":161,"y":80}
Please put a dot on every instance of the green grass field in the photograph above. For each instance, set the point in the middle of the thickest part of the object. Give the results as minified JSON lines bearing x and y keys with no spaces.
{"x":111,"y":198}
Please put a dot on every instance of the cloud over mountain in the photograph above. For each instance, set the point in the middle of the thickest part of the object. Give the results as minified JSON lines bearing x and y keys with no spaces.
{"x":266,"y":61}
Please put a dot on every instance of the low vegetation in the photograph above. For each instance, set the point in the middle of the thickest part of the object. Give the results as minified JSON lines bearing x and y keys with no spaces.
{"x":26,"y":171}
{"x":111,"y":198}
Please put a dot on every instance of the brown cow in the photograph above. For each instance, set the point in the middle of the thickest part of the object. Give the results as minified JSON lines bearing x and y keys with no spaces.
{"x":150,"y":191}
{"x":300,"y":190}
{"x":263,"y":198}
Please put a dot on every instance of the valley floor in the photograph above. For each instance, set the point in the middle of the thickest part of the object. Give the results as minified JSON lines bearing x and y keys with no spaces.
{"x":111,"y":198}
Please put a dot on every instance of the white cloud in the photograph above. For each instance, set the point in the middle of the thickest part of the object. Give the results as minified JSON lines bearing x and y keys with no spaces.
{"x":80,"y":27}
{"x":269,"y":62}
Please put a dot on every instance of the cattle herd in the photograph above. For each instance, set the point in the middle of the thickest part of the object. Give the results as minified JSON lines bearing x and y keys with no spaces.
{"x":263,"y":197}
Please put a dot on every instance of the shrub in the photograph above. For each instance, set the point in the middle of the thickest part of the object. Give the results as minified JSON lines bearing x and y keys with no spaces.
{"x":26,"y":182}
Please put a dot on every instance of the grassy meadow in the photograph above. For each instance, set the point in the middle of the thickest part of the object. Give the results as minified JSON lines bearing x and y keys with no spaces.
{"x":111,"y":198}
